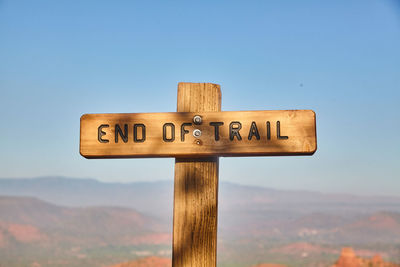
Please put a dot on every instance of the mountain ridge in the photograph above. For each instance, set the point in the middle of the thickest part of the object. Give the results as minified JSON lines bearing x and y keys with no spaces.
{"x":102,"y":222}
{"x":57,"y":178}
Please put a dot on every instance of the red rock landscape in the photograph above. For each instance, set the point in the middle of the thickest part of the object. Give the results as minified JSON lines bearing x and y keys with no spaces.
{"x":26,"y":233}
{"x":166,"y":262}
{"x":147,"y":262}
{"x":270,"y":265}
{"x":302,"y":248}
{"x":297,"y":229}
{"x":348,"y":258}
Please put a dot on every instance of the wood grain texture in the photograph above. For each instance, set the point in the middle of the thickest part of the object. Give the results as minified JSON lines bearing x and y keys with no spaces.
{"x":196,"y":189}
{"x":298,"y":125}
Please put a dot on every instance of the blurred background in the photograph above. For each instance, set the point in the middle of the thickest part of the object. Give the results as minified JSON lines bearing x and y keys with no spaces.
{"x":61,"y":59}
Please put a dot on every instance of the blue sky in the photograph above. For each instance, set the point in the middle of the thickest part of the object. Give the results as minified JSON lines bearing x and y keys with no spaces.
{"x":61,"y":59}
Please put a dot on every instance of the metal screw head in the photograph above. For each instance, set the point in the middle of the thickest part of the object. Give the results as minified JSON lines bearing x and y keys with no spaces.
{"x":197,"y":119}
{"x":196,"y":133}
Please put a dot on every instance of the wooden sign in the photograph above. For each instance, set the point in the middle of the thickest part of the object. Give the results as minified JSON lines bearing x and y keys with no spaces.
{"x":187,"y":134}
{"x":196,"y":136}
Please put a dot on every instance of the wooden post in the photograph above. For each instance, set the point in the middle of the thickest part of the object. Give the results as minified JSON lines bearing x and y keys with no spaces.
{"x":196,"y":189}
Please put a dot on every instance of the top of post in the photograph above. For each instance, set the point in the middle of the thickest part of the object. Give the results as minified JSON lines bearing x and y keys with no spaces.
{"x":198,"y":97}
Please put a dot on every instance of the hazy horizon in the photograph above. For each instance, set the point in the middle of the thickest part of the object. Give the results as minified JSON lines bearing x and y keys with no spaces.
{"x":225,"y":182}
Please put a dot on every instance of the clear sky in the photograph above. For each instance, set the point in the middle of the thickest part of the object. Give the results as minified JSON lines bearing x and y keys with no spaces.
{"x":61,"y":59}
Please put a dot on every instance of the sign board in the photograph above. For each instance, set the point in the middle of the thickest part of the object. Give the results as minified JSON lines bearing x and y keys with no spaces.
{"x":186,"y":134}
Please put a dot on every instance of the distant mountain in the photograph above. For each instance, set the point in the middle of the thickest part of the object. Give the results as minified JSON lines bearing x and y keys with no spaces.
{"x":37,"y":233}
{"x":156,"y":198}
{"x":153,"y":198}
{"x":243,"y":210}
{"x":26,"y":220}
{"x":88,"y":221}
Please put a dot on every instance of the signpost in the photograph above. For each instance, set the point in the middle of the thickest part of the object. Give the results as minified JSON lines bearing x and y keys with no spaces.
{"x":196,"y":135}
